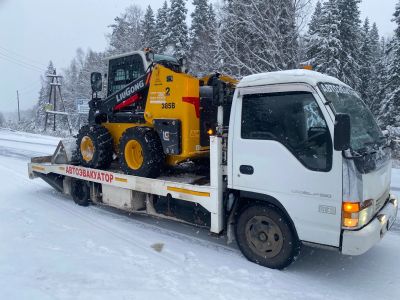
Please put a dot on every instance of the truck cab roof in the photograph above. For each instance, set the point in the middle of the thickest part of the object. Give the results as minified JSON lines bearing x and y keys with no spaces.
{"x":291,"y":76}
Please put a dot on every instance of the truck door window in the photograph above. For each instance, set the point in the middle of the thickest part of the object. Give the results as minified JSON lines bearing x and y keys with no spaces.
{"x":123,"y":71}
{"x":292,"y":119}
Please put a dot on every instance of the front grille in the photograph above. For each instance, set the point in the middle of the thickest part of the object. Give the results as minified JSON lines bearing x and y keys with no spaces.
{"x":380,"y":202}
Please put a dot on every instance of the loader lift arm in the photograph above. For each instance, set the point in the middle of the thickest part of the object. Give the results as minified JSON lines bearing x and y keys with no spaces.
{"x":100,"y":110}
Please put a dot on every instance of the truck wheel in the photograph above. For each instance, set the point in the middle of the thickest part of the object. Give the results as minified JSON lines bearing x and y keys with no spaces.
{"x":80,"y":192}
{"x":265,"y":236}
{"x":95,"y":146}
{"x":141,"y":152}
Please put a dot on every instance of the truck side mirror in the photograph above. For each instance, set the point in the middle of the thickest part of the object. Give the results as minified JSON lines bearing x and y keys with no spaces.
{"x":342,"y":132}
{"x":96,"y":82}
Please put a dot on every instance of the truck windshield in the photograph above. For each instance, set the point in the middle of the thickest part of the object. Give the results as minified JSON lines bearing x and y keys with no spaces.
{"x":365,"y":132}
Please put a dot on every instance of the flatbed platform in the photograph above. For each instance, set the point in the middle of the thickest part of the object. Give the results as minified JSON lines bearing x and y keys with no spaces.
{"x":118,"y":188}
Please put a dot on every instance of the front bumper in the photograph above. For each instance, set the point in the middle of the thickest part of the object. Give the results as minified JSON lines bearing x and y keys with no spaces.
{"x":360,"y":241}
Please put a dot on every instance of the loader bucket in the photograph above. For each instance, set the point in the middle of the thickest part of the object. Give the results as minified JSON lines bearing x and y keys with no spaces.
{"x":65,"y":152}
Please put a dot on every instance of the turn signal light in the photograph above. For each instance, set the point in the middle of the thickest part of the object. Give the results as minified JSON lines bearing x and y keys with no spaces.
{"x":351,"y":214}
{"x":351,"y":207}
{"x":356,"y":214}
{"x":210,"y":132}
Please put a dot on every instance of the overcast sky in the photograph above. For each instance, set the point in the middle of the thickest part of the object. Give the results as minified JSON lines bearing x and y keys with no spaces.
{"x":34,"y":31}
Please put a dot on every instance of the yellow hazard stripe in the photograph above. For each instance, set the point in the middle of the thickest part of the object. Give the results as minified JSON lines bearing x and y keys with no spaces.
{"x":189,"y":192}
{"x":121,"y":179}
{"x":37,"y":168}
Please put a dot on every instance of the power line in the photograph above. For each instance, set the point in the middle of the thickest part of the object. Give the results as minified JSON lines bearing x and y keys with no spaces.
{"x":29,"y":87}
{"x":23,"y":57}
{"x":20,"y":60}
{"x":21,"y":63}
{"x":30,"y":91}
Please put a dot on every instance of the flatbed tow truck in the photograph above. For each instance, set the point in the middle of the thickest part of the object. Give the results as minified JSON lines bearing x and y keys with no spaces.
{"x":302,"y":162}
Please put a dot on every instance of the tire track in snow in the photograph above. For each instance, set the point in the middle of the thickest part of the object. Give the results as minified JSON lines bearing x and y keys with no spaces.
{"x":133,"y":242}
{"x":28,"y":142}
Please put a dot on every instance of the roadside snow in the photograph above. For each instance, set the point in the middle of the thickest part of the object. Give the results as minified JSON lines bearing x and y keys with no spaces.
{"x":53,"y":249}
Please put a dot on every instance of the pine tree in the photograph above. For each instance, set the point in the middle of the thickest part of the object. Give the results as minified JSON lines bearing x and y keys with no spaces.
{"x":148,"y":32}
{"x":125,"y":35}
{"x":375,"y":42}
{"x":233,"y":36}
{"x":366,"y":66}
{"x":312,"y":39}
{"x":326,"y":58}
{"x":350,"y":38}
{"x":377,"y":69}
{"x":177,"y":30}
{"x":259,"y":36}
{"x":70,"y":85}
{"x":390,"y":111}
{"x":287,"y":35}
{"x":202,"y":38}
{"x":313,"y":26}
{"x":162,"y":24}
{"x":2,"y":120}
{"x":382,"y":79}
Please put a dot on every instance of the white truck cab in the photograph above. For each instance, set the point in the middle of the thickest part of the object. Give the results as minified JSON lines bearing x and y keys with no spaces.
{"x":302,"y":161}
{"x":281,"y":149}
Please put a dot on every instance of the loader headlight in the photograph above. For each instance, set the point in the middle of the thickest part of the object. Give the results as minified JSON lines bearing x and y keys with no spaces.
{"x":356,"y":214}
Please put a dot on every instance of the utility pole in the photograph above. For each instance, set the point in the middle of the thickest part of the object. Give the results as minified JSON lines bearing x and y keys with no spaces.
{"x":55,"y":85}
{"x":19,"y":115}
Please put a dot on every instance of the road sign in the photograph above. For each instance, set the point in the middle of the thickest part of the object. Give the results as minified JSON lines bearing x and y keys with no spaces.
{"x":82,"y":106}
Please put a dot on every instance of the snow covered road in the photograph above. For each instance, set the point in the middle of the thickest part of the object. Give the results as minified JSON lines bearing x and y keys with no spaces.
{"x":51,"y":248}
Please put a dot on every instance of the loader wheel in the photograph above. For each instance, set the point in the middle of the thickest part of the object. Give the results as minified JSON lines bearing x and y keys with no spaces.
{"x":141,"y":152}
{"x":94,"y":147}
{"x":80,"y":192}
{"x":265,"y":236}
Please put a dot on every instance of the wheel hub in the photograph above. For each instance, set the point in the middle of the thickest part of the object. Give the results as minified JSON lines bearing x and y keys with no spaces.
{"x":87,"y":148}
{"x":264,"y":236}
{"x":133,"y":154}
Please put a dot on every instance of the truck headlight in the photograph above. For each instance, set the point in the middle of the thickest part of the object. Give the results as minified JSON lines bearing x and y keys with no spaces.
{"x":356,"y":214}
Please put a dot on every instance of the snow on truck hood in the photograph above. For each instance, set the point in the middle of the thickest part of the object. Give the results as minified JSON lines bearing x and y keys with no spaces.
{"x":290,"y":76}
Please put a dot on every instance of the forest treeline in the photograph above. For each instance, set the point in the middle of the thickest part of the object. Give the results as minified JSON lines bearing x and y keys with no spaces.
{"x":240,"y":37}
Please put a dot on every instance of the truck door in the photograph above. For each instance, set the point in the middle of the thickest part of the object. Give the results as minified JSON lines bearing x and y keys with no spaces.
{"x":281,"y":146}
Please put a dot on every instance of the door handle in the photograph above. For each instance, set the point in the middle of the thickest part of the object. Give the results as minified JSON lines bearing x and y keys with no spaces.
{"x":247,"y":170}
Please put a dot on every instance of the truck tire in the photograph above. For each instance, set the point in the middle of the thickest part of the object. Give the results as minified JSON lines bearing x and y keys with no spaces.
{"x":80,"y":192}
{"x":95,"y":147}
{"x":266,"y":237}
{"x":141,"y":152}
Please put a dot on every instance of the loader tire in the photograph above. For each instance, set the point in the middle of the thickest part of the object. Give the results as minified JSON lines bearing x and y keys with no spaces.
{"x":266,"y":237}
{"x":80,"y":192}
{"x":95,"y":147}
{"x":141,"y":152}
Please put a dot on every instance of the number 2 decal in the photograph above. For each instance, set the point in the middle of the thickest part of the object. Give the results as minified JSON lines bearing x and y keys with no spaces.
{"x":167,"y":91}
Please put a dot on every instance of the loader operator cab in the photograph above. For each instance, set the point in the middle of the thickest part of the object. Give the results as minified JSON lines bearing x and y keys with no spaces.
{"x":124,"y":69}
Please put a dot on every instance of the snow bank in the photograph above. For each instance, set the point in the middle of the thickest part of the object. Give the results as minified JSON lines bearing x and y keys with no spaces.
{"x":53,"y":249}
